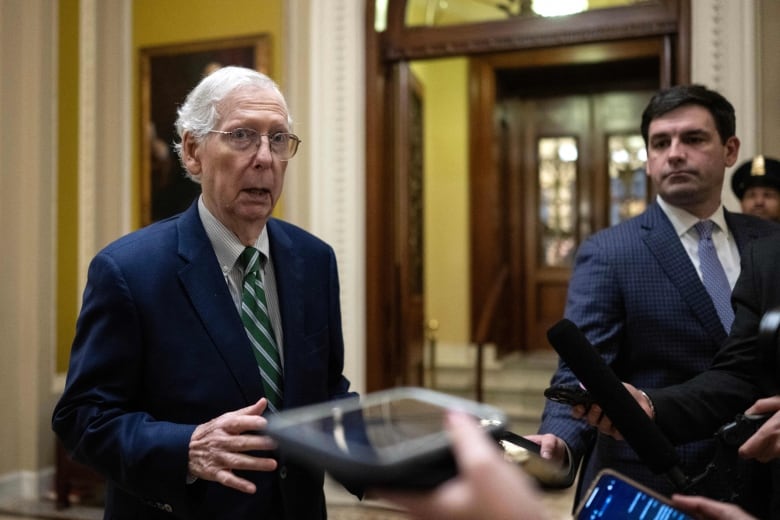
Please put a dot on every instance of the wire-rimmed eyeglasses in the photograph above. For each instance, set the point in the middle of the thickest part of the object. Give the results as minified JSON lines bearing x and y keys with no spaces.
{"x":283,"y":145}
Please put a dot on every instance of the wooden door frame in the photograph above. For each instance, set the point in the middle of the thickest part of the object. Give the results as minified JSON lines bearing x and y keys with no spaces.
{"x":485,"y":268}
{"x":669,"y":19}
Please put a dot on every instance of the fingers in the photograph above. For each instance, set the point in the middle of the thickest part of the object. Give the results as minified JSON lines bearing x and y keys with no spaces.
{"x":642,"y":399}
{"x":221,"y":446}
{"x":595,"y":417}
{"x":579,"y":411}
{"x":764,"y":445}
{"x":238,"y":421}
{"x":766,"y":405}
{"x":551,"y":448}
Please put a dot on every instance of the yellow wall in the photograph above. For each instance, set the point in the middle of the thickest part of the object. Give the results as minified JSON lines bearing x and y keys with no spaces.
{"x":446,"y":196}
{"x":173,"y":22}
{"x":155,"y":23}
{"x":67,"y":185}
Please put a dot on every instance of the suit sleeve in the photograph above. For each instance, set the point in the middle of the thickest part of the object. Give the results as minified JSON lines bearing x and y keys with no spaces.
{"x":741,"y":371}
{"x":98,"y":417}
{"x":593,"y":304}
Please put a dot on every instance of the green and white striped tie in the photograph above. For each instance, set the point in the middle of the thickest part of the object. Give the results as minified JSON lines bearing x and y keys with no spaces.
{"x":254,"y":314}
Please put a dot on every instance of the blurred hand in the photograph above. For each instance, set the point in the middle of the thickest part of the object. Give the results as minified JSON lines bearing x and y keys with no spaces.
{"x":218,"y":447}
{"x":486,"y":488}
{"x":764,"y":445}
{"x":708,"y":509}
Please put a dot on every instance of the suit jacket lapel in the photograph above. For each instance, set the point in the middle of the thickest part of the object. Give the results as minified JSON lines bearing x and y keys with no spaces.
{"x":288,"y":270}
{"x":202,"y":280}
{"x":665,"y":245}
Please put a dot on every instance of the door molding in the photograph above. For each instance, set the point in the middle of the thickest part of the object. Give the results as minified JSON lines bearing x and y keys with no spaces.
{"x":669,"y":20}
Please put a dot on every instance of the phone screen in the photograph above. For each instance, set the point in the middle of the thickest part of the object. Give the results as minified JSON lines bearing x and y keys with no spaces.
{"x":615,"y":496}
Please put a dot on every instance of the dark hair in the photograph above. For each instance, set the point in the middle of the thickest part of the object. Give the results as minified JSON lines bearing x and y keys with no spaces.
{"x":681,"y":95}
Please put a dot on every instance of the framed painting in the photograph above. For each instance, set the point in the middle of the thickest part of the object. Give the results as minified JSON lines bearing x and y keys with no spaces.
{"x":167,"y":75}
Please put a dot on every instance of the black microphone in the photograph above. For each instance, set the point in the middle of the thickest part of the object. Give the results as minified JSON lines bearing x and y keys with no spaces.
{"x":641,"y":433}
{"x":769,"y":330}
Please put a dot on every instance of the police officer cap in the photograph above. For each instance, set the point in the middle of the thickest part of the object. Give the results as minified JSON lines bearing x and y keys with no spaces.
{"x":760,"y":171}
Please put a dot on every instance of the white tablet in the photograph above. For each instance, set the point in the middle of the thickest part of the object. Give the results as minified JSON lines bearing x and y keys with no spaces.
{"x":391,"y":438}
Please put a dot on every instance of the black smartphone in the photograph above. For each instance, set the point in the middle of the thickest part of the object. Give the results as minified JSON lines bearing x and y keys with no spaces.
{"x":613,"y":495}
{"x":571,"y":395}
{"x":391,"y":438}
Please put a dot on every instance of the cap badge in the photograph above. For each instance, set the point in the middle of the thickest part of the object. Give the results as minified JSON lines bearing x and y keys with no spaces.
{"x":757,"y":167}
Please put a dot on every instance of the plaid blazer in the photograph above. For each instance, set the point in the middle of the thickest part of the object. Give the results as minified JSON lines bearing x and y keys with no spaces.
{"x":636,"y":295}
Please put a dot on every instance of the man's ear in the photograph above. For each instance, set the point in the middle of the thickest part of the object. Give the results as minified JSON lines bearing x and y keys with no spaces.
{"x":190,"y":154}
{"x":732,"y":150}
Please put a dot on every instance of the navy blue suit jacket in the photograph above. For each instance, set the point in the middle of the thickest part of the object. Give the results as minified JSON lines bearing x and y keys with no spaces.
{"x":637,"y":297}
{"x":160,"y":348}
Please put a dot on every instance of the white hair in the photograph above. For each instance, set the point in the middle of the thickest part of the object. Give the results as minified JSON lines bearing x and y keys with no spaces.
{"x":199,"y":114}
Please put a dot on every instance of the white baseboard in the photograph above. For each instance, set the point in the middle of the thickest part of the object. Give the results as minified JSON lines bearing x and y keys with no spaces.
{"x":26,"y":484}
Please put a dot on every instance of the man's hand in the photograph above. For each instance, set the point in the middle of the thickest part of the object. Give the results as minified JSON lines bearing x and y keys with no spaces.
{"x":552,"y":448}
{"x":595,"y":416}
{"x":218,"y":447}
{"x":764,"y":445}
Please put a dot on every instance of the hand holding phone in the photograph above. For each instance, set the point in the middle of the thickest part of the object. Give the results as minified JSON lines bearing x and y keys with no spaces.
{"x":613,"y":495}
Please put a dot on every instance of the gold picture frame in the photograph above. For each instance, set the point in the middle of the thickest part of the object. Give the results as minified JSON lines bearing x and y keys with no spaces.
{"x":168,"y":73}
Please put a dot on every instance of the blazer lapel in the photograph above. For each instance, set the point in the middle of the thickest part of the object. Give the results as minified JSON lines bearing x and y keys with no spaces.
{"x":288,"y":270}
{"x":665,"y":245}
{"x":202,"y":280}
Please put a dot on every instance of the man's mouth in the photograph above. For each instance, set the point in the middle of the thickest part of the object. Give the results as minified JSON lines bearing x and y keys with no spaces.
{"x":257,"y":191}
{"x":679,"y":173}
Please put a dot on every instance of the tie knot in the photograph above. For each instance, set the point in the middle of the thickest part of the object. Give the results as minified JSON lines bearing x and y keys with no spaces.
{"x":704,"y":227}
{"x":250,"y":260}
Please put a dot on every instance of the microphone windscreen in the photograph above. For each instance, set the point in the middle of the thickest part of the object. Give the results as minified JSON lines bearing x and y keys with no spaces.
{"x":641,"y":433}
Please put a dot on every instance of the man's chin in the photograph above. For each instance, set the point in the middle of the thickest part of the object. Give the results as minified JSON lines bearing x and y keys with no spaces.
{"x":681,"y":194}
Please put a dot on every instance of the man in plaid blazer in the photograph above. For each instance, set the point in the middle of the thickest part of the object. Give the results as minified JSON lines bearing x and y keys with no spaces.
{"x":636,"y":290}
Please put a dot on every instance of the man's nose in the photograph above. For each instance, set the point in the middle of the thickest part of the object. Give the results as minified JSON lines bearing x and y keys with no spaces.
{"x":263,"y":157}
{"x":676,"y":149}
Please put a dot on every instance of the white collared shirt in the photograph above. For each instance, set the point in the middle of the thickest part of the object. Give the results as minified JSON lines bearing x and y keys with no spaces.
{"x":728,"y":252}
{"x":228,"y":248}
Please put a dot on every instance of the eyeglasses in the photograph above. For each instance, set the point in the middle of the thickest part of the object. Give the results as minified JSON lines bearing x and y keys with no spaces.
{"x":283,"y":145}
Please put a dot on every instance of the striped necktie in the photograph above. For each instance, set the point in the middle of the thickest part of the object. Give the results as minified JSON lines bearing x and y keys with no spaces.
{"x":254,"y":314}
{"x":713,"y":276}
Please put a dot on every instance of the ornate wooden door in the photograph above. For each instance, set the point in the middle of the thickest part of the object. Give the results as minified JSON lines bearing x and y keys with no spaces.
{"x":564,"y":159}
